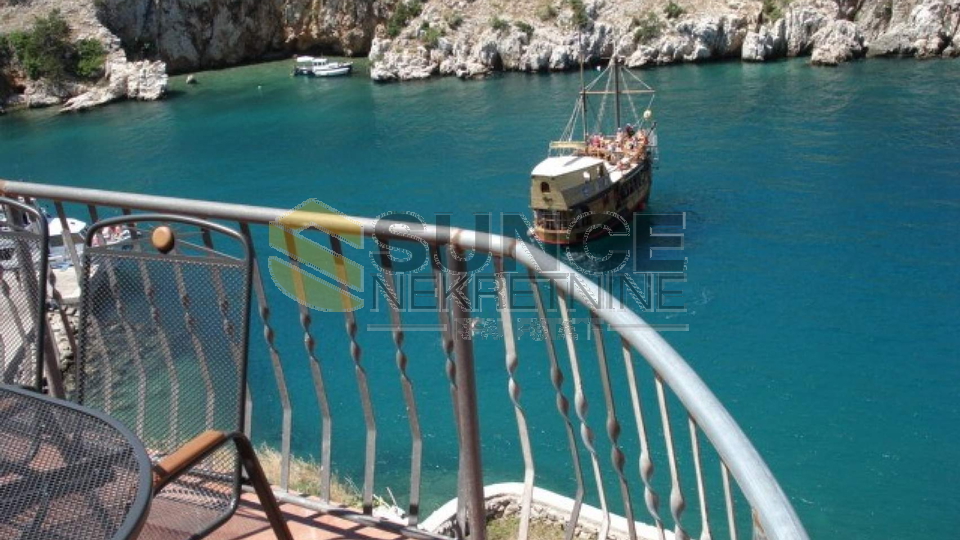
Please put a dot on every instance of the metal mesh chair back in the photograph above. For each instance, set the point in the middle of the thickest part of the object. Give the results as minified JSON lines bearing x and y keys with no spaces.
{"x":66,"y":473}
{"x":23,"y":269}
{"x":162,"y":348}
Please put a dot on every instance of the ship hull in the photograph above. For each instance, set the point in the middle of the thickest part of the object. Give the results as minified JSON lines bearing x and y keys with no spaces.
{"x":607,"y":208}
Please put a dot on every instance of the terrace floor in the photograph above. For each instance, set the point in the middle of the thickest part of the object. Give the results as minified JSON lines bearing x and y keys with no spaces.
{"x":249,"y":523}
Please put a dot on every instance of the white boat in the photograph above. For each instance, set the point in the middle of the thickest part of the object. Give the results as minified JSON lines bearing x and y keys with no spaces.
{"x":59,"y":256}
{"x":316,"y":66}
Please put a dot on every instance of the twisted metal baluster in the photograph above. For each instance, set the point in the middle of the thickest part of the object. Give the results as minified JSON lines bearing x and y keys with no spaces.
{"x":646,"y":464}
{"x":563,"y":406}
{"x":68,"y":238}
{"x":705,"y":533}
{"x":61,"y":312}
{"x":268,"y":336}
{"x":728,"y":496}
{"x":471,"y":459}
{"x":446,"y":341}
{"x":416,"y":449}
{"x":316,"y":372}
{"x":581,"y":406}
{"x":512,"y":362}
{"x":355,"y":353}
{"x":613,"y":426}
{"x":677,"y":503}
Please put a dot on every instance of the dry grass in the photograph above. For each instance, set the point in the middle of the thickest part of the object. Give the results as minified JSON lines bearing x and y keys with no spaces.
{"x":506,"y":529}
{"x":305,"y":477}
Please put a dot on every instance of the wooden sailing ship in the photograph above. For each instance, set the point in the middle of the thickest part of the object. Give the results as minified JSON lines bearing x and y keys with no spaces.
{"x":601,"y":170}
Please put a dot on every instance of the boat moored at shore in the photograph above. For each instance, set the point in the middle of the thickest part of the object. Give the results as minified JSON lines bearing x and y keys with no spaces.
{"x":315,"y":66}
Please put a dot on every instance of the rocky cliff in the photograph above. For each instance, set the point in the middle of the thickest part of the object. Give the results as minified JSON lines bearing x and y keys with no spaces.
{"x":190,"y":34}
{"x":470,"y":39}
{"x":415,"y":39}
{"x":122,"y":78}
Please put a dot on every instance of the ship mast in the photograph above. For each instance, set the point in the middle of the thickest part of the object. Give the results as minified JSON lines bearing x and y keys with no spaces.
{"x":583,"y":88}
{"x":616,"y":84}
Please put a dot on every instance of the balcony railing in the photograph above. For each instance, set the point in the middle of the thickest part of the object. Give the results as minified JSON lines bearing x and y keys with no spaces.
{"x":699,"y":502}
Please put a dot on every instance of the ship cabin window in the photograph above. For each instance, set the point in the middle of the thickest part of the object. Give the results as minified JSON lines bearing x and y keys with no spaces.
{"x":553,"y":220}
{"x":545,"y":187}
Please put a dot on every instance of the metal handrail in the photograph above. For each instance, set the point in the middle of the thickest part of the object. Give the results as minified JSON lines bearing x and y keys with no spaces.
{"x":773,"y":509}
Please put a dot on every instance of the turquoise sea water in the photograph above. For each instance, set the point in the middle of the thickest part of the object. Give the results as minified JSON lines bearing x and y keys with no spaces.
{"x":824,"y":262}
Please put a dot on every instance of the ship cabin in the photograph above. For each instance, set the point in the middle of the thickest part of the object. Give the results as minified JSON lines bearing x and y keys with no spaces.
{"x":563,"y":187}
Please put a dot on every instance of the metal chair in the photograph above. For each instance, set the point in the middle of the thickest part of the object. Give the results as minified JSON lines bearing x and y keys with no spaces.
{"x":23,"y":271}
{"x":163,"y":348}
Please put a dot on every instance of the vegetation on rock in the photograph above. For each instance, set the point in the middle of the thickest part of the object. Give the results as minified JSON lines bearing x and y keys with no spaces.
{"x":524,"y":27}
{"x":773,"y":9}
{"x":91,"y":56}
{"x":454,"y":20}
{"x":580,"y":17}
{"x":305,"y":477}
{"x":546,"y":12}
{"x":6,"y":51}
{"x":505,"y":528}
{"x":648,"y":28}
{"x":405,"y":11}
{"x":499,"y":24}
{"x":430,"y":36}
{"x":673,"y":10}
{"x":46,"y":51}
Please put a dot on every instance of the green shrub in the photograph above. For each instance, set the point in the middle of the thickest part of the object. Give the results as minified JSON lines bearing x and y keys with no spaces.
{"x":499,"y":24}
{"x":90,"y":58}
{"x":546,"y":12}
{"x":405,"y":11}
{"x":673,"y":10}
{"x":580,"y":18}
{"x":431,"y":37}
{"x":524,"y":27}
{"x":773,"y":9}
{"x":648,"y":28}
{"x":45,"y":50}
{"x":6,"y":50}
{"x":454,"y":20}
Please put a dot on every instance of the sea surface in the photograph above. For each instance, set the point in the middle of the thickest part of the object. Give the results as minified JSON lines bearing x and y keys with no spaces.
{"x":822,"y":240}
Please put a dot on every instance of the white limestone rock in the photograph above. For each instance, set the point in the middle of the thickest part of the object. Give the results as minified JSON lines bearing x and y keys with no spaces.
{"x":838,"y":42}
{"x":145,"y":81}
{"x":927,"y":31}
{"x":804,"y":20}
{"x":766,"y":44}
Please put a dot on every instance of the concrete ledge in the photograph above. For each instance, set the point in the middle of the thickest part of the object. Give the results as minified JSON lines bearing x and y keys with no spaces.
{"x":503,"y":500}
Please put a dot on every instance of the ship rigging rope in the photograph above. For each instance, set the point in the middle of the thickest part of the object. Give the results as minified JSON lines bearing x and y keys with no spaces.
{"x":603,"y":102}
{"x":572,"y":122}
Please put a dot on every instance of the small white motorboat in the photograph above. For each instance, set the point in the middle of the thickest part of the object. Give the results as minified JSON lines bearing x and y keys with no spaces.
{"x":315,"y":66}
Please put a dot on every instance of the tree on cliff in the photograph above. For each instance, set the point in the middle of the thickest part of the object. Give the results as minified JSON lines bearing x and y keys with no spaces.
{"x":46,"y":51}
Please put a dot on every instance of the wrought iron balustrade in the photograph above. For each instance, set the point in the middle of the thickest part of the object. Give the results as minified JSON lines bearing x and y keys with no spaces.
{"x":662,"y":462}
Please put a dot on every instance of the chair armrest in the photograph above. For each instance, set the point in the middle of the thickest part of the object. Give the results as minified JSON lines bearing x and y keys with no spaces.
{"x":186,"y":456}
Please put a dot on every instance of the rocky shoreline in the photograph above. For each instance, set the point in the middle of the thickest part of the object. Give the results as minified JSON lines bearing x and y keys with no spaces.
{"x":419,"y":39}
{"x":516,"y":39}
{"x":121,"y":79}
